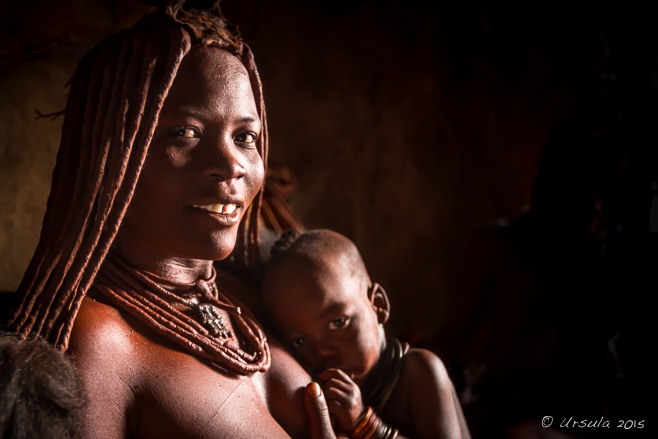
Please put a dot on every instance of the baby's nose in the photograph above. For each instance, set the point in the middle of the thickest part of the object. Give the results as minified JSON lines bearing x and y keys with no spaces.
{"x":325,"y":356}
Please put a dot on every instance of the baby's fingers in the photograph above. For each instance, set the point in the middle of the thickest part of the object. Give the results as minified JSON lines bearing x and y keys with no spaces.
{"x":336,"y":394}
{"x":336,"y":374}
{"x":334,"y":383}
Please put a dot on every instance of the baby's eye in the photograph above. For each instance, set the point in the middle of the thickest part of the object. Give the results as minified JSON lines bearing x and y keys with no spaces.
{"x":338,"y":323}
{"x":297,"y":342}
{"x":186,"y":132}
{"x":246,"y":138}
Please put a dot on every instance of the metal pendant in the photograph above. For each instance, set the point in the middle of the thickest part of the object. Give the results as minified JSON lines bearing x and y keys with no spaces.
{"x":212,"y":321}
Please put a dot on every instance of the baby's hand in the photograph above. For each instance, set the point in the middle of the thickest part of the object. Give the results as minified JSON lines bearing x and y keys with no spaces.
{"x":343,"y":398}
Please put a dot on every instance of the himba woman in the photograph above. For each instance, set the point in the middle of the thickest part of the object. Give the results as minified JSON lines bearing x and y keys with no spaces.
{"x":159,"y":173}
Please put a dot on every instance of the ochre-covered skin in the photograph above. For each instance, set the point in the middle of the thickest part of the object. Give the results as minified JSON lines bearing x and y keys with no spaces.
{"x":140,"y":384}
{"x":203,"y":153}
{"x":161,"y":165}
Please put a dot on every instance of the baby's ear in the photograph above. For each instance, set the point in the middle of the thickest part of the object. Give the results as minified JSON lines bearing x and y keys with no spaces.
{"x":380,"y":302}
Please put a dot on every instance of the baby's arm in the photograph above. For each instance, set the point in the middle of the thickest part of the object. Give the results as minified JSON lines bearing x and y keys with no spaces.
{"x":434,"y":406}
{"x":343,"y":399}
{"x":351,"y":418}
{"x":435,"y":409}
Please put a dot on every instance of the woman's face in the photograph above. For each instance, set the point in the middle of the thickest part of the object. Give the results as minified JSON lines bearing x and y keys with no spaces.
{"x":203,"y":169}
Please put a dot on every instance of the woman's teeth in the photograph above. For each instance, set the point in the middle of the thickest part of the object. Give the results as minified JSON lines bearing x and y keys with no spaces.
{"x":224,"y":209}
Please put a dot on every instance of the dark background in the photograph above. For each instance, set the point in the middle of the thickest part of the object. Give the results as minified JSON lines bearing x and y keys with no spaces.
{"x":407,"y":125}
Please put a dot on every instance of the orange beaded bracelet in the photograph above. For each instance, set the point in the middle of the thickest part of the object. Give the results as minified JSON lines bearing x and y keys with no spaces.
{"x":370,"y":426}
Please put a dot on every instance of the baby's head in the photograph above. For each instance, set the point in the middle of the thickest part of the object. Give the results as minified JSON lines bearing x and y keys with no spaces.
{"x":323,"y":304}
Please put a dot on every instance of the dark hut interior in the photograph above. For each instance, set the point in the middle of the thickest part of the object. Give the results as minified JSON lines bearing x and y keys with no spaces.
{"x":495,"y":165}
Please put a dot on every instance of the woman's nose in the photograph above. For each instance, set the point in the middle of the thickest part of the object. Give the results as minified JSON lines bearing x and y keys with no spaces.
{"x":223,"y":160}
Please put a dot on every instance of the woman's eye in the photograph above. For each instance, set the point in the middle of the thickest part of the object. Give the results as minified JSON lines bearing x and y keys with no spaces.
{"x":186,"y":132}
{"x":338,"y":323}
{"x":246,"y":138}
{"x":297,"y":342}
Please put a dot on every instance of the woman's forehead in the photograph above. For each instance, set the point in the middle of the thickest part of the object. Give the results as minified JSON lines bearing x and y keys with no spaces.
{"x":212,"y":78}
{"x":210,"y":62}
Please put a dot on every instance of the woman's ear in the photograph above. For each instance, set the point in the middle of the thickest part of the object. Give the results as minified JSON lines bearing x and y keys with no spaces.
{"x":379,"y":300}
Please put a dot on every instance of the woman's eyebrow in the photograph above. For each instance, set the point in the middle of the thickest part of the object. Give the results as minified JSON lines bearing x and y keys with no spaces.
{"x":249,"y":120}
{"x":201,"y":114}
{"x":195,"y":112}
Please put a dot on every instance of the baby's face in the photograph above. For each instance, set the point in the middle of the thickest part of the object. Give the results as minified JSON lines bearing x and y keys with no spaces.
{"x":324,"y":316}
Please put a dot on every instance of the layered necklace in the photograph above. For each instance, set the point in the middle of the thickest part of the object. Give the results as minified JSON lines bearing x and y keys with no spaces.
{"x":188,"y":315}
{"x":379,"y":384}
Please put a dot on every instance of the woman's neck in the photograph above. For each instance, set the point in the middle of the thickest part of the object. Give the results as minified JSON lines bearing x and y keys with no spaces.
{"x":181,"y":271}
{"x":175,"y":269}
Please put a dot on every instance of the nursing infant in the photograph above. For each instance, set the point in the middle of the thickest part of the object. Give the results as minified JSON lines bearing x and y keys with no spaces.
{"x":330,"y":315}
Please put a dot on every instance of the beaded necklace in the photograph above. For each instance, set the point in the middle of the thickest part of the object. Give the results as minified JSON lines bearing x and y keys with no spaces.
{"x":187,"y":314}
{"x":379,"y":384}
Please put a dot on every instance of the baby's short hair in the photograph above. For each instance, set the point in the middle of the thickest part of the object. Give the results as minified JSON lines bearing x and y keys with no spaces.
{"x":313,"y":245}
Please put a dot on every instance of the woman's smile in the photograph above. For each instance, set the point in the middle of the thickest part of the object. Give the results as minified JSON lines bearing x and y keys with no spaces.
{"x":203,"y":167}
{"x":224,"y":214}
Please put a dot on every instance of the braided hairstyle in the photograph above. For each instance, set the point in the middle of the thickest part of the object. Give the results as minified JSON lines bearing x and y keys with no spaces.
{"x":115,"y":98}
{"x":282,"y":245}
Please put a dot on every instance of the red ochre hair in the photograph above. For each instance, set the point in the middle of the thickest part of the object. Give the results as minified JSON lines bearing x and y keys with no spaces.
{"x":115,"y":98}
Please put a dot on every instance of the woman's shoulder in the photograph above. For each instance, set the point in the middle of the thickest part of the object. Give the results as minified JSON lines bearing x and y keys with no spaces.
{"x":100,"y":332}
{"x":103,"y":350}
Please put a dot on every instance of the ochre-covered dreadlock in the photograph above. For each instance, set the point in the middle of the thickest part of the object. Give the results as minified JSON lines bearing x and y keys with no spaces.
{"x":115,"y":98}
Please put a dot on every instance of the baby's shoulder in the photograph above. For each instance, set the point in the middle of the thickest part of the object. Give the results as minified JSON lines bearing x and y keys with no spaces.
{"x":432,"y":405}
{"x":423,"y":367}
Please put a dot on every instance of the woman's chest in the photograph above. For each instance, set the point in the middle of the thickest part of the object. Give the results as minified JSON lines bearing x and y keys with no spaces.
{"x":182,"y":397}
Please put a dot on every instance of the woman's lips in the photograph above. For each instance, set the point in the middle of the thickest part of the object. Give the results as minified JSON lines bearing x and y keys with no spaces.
{"x":227,"y":214}
{"x":224,"y":209}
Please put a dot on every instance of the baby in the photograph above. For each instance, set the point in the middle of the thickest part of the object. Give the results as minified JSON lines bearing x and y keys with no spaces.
{"x":330,"y":315}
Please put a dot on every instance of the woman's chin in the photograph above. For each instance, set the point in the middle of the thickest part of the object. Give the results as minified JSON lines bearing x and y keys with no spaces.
{"x":205,"y":246}
{"x":221,"y":246}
